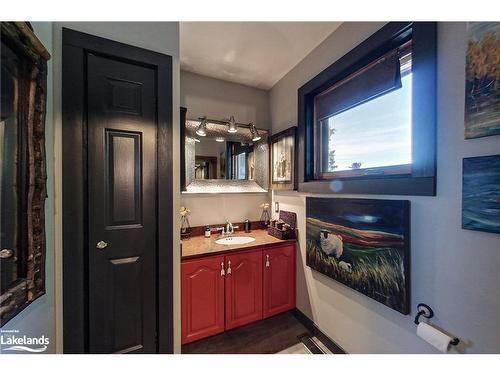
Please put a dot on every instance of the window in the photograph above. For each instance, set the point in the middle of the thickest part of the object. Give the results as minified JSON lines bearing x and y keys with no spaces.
{"x":370,"y":136}
{"x":367,"y":123}
{"x":241,"y":164}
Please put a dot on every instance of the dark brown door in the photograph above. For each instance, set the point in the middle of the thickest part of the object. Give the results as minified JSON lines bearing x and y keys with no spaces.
{"x":121,"y":206}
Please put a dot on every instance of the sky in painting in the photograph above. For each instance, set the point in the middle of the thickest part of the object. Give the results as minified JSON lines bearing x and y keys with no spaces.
{"x":376,"y":133}
{"x":365,"y":214}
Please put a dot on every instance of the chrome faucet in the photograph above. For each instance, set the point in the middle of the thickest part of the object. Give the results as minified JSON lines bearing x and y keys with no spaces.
{"x":230,"y":228}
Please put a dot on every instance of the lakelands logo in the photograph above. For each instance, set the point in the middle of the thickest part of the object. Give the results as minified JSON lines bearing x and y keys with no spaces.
{"x":13,"y":341}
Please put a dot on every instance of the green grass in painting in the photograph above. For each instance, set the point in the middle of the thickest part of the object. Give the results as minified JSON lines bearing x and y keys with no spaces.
{"x":377,"y":272}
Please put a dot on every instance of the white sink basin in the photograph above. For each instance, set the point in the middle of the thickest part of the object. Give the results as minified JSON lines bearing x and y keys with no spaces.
{"x":235,"y":240}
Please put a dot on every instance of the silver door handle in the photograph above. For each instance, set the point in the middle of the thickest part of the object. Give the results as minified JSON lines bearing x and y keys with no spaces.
{"x":267,"y":261}
{"x":228,"y":267}
{"x":222,"y":272}
{"x":6,"y":253}
{"x":102,"y":245}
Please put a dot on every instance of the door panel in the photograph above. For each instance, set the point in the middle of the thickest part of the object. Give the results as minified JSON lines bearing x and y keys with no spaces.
{"x":243,"y":288}
{"x":279,"y":280}
{"x":121,"y":202}
{"x":124,"y":187}
{"x":202,"y":290}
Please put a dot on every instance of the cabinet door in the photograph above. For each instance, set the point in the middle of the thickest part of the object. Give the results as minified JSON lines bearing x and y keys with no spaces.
{"x":243,"y":288}
{"x":279,"y":279}
{"x":202,"y":305}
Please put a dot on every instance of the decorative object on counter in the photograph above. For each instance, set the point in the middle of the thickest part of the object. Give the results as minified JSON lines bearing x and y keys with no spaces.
{"x":23,"y":174}
{"x":248,"y":226}
{"x":283,"y":160}
{"x":364,"y":244}
{"x":185,"y":227}
{"x":208,"y":231}
{"x":482,"y":89}
{"x":433,"y":336}
{"x":285,"y":227}
{"x":480,"y":193}
{"x":265,"y":217}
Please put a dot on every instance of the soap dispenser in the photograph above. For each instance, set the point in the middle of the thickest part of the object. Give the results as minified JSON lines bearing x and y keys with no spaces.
{"x":207,"y":231}
{"x":247,"y":226}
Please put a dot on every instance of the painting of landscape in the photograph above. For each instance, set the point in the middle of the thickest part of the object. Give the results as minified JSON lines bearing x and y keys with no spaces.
{"x":481,"y":193}
{"x":362,"y":243}
{"x":482,"y":86}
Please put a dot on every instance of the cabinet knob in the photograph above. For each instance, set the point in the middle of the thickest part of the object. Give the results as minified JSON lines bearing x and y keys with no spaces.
{"x":228,"y":267}
{"x":101,"y":245}
{"x":222,"y":272}
{"x":267,"y":261}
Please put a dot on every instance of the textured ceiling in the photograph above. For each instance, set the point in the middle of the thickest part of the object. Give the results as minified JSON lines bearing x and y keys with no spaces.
{"x":256,"y":54}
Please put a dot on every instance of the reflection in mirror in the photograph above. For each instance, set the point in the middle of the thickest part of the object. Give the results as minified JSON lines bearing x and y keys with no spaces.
{"x":217,"y":159}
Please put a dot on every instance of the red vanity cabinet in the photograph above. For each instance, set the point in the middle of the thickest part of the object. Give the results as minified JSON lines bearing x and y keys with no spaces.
{"x":243,"y":288}
{"x":223,"y":292}
{"x":202,"y":298}
{"x":279,"y":279}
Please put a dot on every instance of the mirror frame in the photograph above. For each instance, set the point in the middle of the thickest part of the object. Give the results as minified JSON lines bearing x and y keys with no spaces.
{"x":19,"y":36}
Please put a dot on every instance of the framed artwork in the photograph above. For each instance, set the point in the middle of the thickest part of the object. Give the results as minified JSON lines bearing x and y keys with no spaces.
{"x":363,"y":244}
{"x":284,"y":160}
{"x":482,"y":88}
{"x":481,"y":193}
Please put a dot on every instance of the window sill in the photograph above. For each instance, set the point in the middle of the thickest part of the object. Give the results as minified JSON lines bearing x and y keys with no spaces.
{"x":418,"y":186}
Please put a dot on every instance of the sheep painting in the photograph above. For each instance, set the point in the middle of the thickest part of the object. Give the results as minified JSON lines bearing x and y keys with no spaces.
{"x":331,"y":245}
{"x":362,"y":243}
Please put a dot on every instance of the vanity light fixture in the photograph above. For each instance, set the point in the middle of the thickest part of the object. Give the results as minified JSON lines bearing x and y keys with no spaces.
{"x":202,"y":128}
{"x":255,"y":133}
{"x":219,"y":139}
{"x":232,"y":126}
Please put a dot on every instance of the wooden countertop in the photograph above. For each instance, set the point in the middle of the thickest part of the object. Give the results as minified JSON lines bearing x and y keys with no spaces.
{"x":198,"y":246}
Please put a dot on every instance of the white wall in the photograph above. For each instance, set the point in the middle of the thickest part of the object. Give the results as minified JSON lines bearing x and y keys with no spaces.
{"x":161,"y":37}
{"x":453,"y":270}
{"x":217,"y":99}
{"x":39,"y":318}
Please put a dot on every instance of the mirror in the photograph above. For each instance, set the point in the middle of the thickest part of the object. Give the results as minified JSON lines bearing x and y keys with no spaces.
{"x":22,"y":168}
{"x":224,"y":161}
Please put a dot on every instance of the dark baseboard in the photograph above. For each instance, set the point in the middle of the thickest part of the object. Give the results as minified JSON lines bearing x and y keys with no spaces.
{"x":313,"y":328}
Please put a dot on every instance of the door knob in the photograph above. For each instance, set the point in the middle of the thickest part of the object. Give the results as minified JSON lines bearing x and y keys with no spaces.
{"x":6,"y":253}
{"x":102,"y":245}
